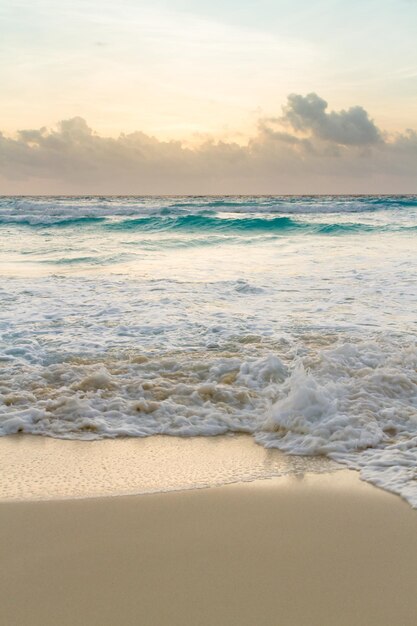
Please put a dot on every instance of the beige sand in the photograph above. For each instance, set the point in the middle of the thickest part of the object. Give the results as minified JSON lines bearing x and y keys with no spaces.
{"x":321,"y":550}
{"x":38,"y":468}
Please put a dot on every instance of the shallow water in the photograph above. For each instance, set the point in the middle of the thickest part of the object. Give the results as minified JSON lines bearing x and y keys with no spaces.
{"x":292,"y":319}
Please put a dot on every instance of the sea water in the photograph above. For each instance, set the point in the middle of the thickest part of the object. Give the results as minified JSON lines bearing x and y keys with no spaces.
{"x":291,"y":319}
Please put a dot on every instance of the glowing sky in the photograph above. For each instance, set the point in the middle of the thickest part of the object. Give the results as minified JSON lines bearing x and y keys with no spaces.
{"x":193,"y":70}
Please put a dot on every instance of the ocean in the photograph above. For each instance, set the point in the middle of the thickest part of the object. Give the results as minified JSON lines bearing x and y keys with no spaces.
{"x":291,"y":319}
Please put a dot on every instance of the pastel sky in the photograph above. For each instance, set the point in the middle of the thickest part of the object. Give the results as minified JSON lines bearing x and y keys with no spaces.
{"x":179,"y":88}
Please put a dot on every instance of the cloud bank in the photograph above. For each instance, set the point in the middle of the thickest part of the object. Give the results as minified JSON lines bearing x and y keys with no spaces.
{"x":307,"y":149}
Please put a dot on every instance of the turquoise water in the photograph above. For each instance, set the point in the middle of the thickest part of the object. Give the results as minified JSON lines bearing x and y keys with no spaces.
{"x":292,"y":319}
{"x":36,"y":230}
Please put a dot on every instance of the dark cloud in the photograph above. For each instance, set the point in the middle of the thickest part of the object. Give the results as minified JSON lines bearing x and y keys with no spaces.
{"x":339,"y":152}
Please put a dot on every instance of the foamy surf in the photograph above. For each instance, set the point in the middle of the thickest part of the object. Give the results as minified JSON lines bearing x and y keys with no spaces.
{"x":291,"y":319}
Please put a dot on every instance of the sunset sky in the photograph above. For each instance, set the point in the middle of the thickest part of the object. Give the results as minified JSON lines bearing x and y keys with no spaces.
{"x":199,"y":73}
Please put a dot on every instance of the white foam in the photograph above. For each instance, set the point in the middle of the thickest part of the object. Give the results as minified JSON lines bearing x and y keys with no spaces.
{"x":358,"y":405}
{"x":355,"y":402}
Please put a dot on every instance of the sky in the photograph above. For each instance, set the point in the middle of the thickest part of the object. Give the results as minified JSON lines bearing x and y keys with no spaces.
{"x":176,"y":96}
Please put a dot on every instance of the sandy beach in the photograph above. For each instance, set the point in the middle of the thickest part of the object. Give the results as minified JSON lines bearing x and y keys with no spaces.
{"x":208,"y":297}
{"x":317,"y":549}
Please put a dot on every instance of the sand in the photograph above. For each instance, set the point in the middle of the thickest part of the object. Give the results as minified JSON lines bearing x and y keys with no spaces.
{"x":38,"y":468}
{"x":306,"y":550}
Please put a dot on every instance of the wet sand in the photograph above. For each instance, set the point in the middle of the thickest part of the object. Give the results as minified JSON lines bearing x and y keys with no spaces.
{"x":39,"y":468}
{"x":311,"y":550}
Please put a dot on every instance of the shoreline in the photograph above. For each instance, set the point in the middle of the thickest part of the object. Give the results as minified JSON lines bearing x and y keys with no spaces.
{"x":36,"y":468}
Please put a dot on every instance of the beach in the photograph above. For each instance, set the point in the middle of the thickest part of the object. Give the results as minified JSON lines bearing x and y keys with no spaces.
{"x":208,"y":297}
{"x":320,"y":548}
{"x":208,"y":411}
{"x":317,"y":549}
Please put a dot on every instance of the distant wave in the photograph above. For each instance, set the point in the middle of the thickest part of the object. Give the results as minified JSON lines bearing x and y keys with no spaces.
{"x":298,"y":204}
{"x":203,"y":223}
{"x":70,"y":206}
{"x":39,"y":221}
{"x":198,"y":220}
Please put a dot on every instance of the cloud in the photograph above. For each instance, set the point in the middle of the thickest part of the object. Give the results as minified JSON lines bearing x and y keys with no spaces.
{"x":307,"y":150}
{"x":349,"y":128}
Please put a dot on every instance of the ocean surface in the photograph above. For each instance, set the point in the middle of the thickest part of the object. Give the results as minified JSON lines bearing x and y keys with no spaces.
{"x":292,"y":319}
